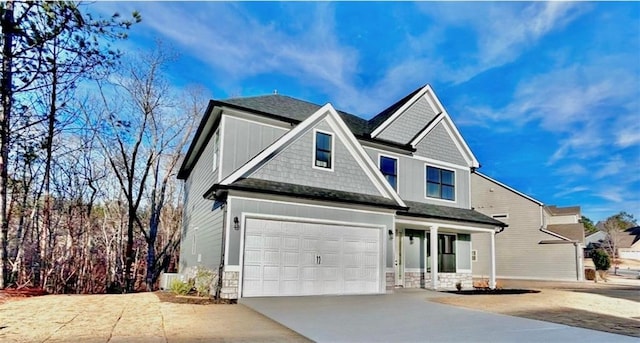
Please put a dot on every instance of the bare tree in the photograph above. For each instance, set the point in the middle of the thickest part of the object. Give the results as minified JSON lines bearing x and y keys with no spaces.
{"x":142,"y":137}
{"x":46,"y":45}
{"x":615,"y":226}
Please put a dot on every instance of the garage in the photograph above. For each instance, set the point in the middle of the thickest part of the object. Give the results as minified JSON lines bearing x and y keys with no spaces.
{"x":292,"y":258}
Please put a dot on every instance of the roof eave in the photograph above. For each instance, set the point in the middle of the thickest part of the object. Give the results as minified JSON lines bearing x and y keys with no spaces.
{"x":419,"y":215}
{"x":211,"y":193}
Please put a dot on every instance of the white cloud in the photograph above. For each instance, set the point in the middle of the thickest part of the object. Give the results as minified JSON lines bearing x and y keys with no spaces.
{"x":504,"y":31}
{"x":572,"y":190}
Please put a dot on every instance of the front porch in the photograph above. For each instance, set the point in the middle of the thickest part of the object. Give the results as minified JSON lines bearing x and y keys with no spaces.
{"x":414,"y":240}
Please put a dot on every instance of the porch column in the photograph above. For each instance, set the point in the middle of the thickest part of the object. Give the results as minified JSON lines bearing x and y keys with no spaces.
{"x":433,"y":241}
{"x":492,"y":275}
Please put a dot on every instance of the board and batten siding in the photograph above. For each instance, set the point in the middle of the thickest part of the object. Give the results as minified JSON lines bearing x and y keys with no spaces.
{"x":238,"y":206}
{"x":518,"y":252}
{"x":198,"y":214}
{"x":294,"y":164}
{"x":412,"y":179}
{"x":243,"y":139}
{"x":409,"y":123}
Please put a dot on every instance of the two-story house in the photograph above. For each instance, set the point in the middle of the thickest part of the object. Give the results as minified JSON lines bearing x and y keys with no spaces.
{"x":285,"y":197}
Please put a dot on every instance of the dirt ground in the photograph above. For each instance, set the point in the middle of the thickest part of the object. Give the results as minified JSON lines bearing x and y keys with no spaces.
{"x":141,"y":317}
{"x":613,"y":306}
{"x":156,"y":317}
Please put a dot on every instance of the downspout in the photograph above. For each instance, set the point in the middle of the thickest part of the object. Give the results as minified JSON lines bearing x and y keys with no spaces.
{"x":222,"y":245}
{"x":579,"y":268}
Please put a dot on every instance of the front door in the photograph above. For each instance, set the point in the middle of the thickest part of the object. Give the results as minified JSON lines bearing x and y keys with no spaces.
{"x":399,"y":258}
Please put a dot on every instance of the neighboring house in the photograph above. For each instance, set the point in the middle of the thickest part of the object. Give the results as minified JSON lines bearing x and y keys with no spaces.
{"x":593,"y":242}
{"x":629,"y":244}
{"x":285,"y":197}
{"x":542,"y":242}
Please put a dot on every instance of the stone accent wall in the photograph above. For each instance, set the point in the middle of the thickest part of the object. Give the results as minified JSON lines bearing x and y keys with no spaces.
{"x":391,"y":280}
{"x":449,"y":280}
{"x":445,"y":280}
{"x":229,"y":285}
{"x":416,"y":280}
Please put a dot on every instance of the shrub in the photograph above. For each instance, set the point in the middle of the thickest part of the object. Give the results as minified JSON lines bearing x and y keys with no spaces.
{"x":204,"y":280}
{"x":180,"y":287}
{"x":601,"y":259}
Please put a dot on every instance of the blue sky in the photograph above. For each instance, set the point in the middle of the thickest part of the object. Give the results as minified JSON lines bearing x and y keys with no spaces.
{"x":546,"y":94}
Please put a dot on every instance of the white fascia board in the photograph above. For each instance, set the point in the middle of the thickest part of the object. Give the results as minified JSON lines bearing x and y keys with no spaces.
{"x":556,"y":235}
{"x":363,"y":159}
{"x":428,"y":129}
{"x":460,"y":142}
{"x":399,"y":111}
{"x":509,"y":188}
{"x":444,"y":225}
{"x":439,"y":108}
{"x":287,"y":137}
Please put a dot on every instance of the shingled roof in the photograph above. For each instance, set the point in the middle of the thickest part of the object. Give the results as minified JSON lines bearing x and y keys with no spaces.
{"x":286,"y":107}
{"x":295,"y":110}
{"x":305,"y":192}
{"x":418,"y":209}
{"x":574,"y":232}
{"x":389,"y":111}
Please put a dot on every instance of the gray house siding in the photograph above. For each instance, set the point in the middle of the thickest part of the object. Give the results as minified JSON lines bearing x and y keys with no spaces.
{"x":243,"y":140}
{"x":439,"y":145}
{"x":518,"y":252}
{"x":239,"y":206}
{"x":412,"y":179}
{"x":199,"y":214}
{"x":294,"y":165}
{"x":409,"y":123}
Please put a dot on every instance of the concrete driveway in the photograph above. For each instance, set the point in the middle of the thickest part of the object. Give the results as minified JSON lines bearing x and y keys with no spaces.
{"x":409,"y":316}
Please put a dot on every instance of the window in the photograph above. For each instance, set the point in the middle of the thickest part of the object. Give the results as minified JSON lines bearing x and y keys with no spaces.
{"x":389,"y":168}
{"x":446,"y":253}
{"x":324,"y":144}
{"x":216,"y":150}
{"x":440,"y":183}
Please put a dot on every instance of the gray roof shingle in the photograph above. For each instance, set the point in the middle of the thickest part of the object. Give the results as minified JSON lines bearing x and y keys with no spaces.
{"x":301,"y":191}
{"x":574,"y":232}
{"x":418,"y":209}
{"x":291,"y":108}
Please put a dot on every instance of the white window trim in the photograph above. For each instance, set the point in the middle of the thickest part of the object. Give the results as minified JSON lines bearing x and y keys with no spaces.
{"x":216,"y":151}
{"x":455,"y":187}
{"x":333,"y":150}
{"x":397,"y":188}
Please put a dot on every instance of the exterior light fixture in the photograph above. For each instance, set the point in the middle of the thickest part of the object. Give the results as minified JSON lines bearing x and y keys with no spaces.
{"x":236,"y":223}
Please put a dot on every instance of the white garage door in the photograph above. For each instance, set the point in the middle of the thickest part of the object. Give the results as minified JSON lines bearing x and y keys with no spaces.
{"x":284,"y":258}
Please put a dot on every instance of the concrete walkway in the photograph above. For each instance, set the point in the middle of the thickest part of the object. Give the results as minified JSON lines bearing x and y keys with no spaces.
{"x":409,"y":316}
{"x":133,"y":318}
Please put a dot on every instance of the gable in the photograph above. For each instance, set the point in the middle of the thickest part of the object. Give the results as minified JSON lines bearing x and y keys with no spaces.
{"x":327,"y":118}
{"x":408,"y":124}
{"x":294,"y":165}
{"x":439,"y":144}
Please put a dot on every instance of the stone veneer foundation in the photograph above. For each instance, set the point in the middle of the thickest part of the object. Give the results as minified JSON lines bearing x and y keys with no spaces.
{"x":229,"y":285}
{"x":445,"y":280}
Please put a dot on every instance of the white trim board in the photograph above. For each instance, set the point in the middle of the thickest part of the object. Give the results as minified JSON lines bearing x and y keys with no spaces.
{"x":399,"y":111}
